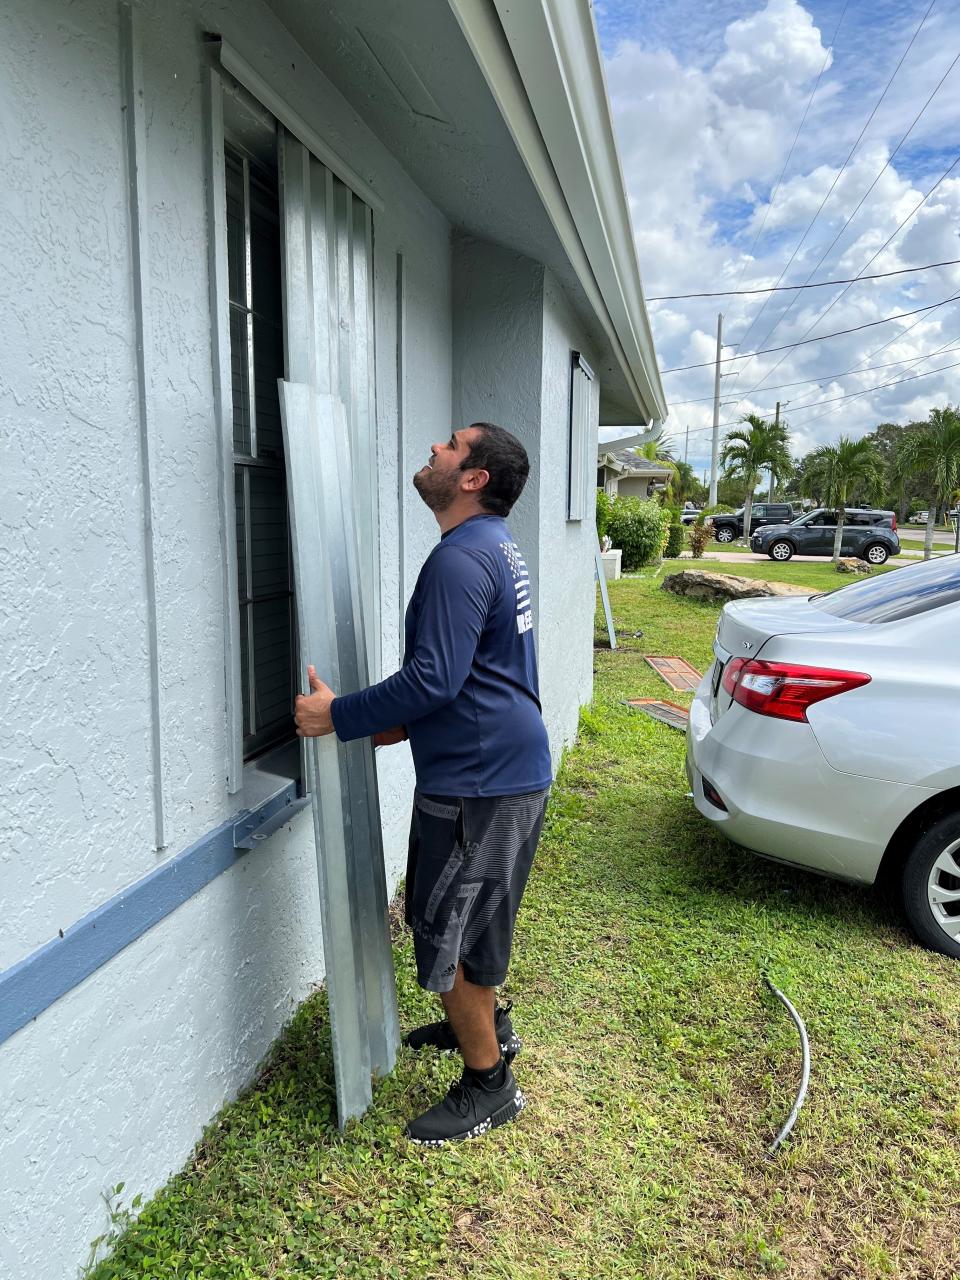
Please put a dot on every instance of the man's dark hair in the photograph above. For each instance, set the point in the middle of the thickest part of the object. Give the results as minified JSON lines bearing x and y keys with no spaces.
{"x":505,"y":460}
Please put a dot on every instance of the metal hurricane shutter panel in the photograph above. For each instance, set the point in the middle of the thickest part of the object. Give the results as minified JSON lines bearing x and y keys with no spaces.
{"x":327,"y":243}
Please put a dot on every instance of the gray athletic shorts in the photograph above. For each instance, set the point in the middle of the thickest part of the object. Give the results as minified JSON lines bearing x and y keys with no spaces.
{"x":467,"y":868}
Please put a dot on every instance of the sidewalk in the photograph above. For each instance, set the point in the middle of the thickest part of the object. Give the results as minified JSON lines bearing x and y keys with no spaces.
{"x":745,"y":557}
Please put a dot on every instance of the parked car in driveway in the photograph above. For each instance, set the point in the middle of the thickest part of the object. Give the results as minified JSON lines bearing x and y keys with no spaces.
{"x":729,"y":526}
{"x":867,"y":534}
{"x":796,"y":736}
{"x":919,"y":517}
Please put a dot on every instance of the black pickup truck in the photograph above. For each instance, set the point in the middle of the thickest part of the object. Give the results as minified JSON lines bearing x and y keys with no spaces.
{"x":727,"y":528}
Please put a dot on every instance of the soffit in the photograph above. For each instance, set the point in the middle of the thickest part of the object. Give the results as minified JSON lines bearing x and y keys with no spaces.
{"x":408,"y":72}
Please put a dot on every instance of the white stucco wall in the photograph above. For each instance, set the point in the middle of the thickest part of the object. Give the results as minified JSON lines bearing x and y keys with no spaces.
{"x":567,"y":591}
{"x":116,"y":1080}
{"x":513,"y":337}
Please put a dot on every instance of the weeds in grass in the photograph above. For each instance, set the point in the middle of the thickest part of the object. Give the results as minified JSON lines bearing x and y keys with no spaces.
{"x":657,"y":1066}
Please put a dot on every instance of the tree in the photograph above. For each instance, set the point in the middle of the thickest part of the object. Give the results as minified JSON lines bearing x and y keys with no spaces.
{"x":834,"y":470}
{"x":750,"y":449}
{"x":935,"y":450}
{"x":684,"y":485}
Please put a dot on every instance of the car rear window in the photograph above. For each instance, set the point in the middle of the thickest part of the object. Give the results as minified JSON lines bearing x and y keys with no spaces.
{"x":902,"y":594}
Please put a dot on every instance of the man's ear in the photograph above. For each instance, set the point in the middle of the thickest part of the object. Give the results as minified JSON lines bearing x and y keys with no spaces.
{"x":475,"y":479}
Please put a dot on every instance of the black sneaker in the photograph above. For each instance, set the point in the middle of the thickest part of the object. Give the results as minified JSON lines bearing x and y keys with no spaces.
{"x":468,"y":1111}
{"x":439,"y":1035}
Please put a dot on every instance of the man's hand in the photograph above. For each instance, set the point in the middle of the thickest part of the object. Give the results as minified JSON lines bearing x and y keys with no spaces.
{"x":312,"y":711}
{"x":389,"y":737}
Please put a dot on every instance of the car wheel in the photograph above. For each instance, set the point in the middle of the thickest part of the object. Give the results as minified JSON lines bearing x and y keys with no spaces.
{"x":724,"y":535}
{"x":877,"y":553}
{"x":931,"y":887}
{"x":780,"y":551}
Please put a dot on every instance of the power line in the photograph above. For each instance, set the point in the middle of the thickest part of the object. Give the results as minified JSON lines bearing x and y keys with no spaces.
{"x":803,"y":342}
{"x":872,"y":258}
{"x":852,"y":395}
{"x":832,"y":377}
{"x":843,"y":167}
{"x":813,"y":94}
{"x":902,"y":334}
{"x":819,"y":284}
{"x":859,"y":206}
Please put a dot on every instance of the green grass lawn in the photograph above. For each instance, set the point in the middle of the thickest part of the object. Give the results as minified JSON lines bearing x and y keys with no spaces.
{"x":916,"y":544}
{"x":657,"y":1067}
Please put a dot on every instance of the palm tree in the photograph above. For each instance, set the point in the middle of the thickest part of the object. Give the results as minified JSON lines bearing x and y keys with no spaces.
{"x":935,"y":449}
{"x":659,"y":450}
{"x":750,"y":449}
{"x":833,"y":470}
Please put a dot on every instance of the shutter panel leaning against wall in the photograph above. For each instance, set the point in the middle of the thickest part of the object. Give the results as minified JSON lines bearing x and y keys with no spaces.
{"x":328,"y":412}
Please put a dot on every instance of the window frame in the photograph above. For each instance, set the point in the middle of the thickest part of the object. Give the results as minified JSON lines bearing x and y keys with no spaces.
{"x":241,"y":773}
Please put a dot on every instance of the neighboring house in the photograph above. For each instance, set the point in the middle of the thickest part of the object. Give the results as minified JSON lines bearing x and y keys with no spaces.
{"x":450,"y":167}
{"x":624,"y":473}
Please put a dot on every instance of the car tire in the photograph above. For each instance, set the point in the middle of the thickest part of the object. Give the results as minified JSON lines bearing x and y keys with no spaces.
{"x":927,"y":874}
{"x":725,"y":535}
{"x":781,"y":550}
{"x":876,"y":553}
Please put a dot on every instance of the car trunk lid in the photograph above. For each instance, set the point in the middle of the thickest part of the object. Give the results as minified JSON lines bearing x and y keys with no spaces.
{"x":747,"y":625}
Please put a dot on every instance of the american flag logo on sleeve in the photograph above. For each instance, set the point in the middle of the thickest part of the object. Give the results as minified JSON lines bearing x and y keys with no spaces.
{"x":521,"y":585}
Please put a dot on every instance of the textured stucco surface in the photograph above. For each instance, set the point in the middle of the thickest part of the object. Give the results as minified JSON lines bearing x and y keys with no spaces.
{"x":115,"y":1081}
{"x":513,"y":337}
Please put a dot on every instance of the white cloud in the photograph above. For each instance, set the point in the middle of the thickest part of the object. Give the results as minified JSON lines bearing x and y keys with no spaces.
{"x":704,"y":128}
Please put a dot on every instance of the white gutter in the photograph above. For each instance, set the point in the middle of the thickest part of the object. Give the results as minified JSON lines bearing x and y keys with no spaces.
{"x":542,"y":63}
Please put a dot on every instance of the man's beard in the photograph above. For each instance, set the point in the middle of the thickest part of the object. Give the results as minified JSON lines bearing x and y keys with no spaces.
{"x":438,"y":489}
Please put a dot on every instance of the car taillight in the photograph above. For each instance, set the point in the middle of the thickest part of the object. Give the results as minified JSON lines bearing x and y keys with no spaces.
{"x":894,"y":524}
{"x":785,"y":690}
{"x":731,"y":673}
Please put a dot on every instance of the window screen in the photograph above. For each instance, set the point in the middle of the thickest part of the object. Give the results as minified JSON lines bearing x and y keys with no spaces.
{"x":580,"y":438}
{"x":263,"y":540}
{"x":908,"y":591}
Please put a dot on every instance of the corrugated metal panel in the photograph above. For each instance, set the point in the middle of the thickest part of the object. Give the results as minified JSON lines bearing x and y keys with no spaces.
{"x":329,"y":438}
{"x":581,"y":449}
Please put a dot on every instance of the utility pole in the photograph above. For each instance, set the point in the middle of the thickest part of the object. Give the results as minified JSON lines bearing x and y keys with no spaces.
{"x":776,"y":423}
{"x":686,"y":442}
{"x":715,"y":452}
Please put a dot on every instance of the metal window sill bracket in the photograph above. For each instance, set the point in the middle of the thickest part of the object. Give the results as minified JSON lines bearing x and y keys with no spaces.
{"x":254,"y":828}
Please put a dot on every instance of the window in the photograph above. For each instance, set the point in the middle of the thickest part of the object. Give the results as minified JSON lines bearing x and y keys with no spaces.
{"x":760,"y":511}
{"x":903,"y":594}
{"x":265,"y":581}
{"x":581,"y":441}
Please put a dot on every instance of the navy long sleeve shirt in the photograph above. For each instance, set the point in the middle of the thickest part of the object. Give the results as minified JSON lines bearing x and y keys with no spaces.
{"x":467,"y":691}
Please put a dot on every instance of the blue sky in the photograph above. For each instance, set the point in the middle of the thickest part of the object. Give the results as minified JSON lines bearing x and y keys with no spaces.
{"x":706,"y":100}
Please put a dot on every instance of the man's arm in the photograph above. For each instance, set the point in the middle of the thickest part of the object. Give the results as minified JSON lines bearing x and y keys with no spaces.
{"x":456,"y":595}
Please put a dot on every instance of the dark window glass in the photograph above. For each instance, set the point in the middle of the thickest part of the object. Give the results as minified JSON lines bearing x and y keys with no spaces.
{"x":892,"y":596}
{"x":267,"y":649}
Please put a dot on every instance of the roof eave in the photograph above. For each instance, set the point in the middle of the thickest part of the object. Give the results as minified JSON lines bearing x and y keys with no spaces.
{"x":542,"y":63}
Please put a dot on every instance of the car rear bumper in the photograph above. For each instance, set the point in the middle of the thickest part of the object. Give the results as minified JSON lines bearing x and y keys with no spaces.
{"x":783,"y":799}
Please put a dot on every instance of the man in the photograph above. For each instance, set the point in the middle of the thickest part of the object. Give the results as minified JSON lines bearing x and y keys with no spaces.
{"x":467,"y":698}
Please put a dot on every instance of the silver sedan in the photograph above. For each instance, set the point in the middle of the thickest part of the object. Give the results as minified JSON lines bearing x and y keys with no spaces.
{"x":797,"y":737}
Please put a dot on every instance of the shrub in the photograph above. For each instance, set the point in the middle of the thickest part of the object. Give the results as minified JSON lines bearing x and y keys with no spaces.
{"x":718,"y":509}
{"x":698,"y":535}
{"x":674,"y":540}
{"x":639,"y":528}
{"x":604,"y":503}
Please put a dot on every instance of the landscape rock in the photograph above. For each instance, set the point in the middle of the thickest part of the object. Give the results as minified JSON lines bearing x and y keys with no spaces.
{"x":849,"y":565}
{"x":718,"y":588}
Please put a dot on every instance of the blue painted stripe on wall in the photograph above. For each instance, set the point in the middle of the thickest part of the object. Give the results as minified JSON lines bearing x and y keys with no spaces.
{"x":34,"y":983}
